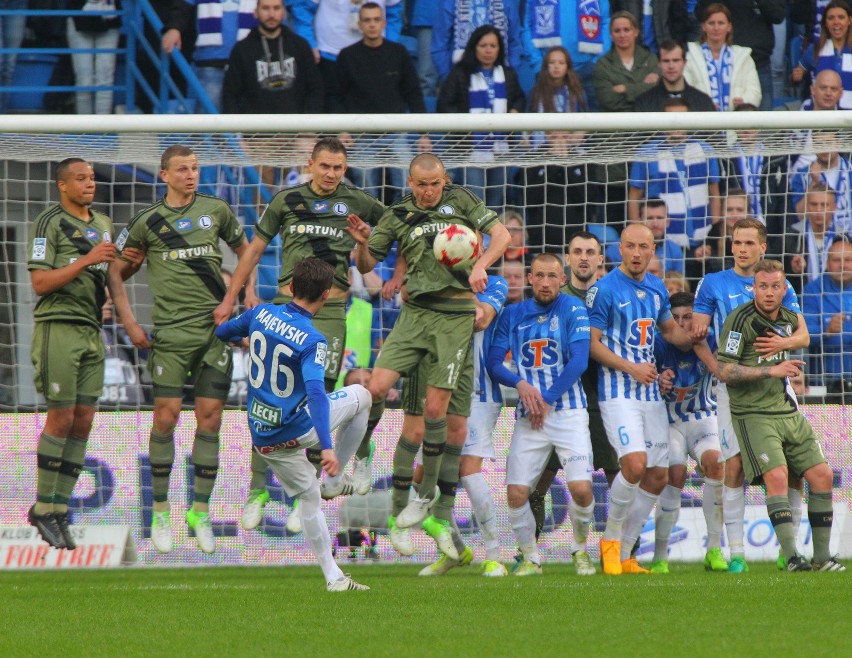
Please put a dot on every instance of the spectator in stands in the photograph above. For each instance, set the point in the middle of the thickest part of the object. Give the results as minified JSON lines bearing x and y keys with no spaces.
{"x":681,"y":171}
{"x":676,"y":282}
{"x":762,"y":176}
{"x":627,"y":70}
{"x":558,"y":88}
{"x":514,"y":272}
{"x":660,"y":20}
{"x":752,"y":24}
{"x":723,"y":71}
{"x":672,"y":84}
{"x":827,"y":307}
{"x":560,"y":199}
{"x":655,"y":267}
{"x":653,"y":214}
{"x":422,"y":20}
{"x":375,"y":76}
{"x":826,"y":92}
{"x":807,"y":245}
{"x":581,"y":28}
{"x":714,"y":253}
{"x":93,"y":69}
{"x":456,"y":21}
{"x":482,"y":83}
{"x":178,"y":33}
{"x":219,"y":27}
{"x":833,"y":49}
{"x":12,"y":30}
{"x":827,"y":167}
{"x":517,"y":249}
{"x":272,"y":70}
{"x":331,"y":25}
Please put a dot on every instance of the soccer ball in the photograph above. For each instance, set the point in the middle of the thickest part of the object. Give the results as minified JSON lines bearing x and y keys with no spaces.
{"x":456,"y":247}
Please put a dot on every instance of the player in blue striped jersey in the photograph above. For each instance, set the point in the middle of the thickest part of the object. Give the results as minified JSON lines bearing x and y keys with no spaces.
{"x":626,"y":309}
{"x":717,"y":295}
{"x":548,"y":336}
{"x":687,"y":386}
{"x":288,"y":409}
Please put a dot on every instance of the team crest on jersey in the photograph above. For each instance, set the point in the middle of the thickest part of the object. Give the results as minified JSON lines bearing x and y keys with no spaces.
{"x":91,"y":234}
{"x":39,"y":249}
{"x":749,"y":289}
{"x":320,"y":206}
{"x":554,"y":323}
{"x":446,"y":210}
{"x":340,"y":209}
{"x":641,"y":294}
{"x":319,"y":359}
{"x":184,"y":224}
{"x":122,"y":239}
{"x":732,"y":345}
{"x":205,"y":222}
{"x":590,"y":297}
{"x":541,"y":319}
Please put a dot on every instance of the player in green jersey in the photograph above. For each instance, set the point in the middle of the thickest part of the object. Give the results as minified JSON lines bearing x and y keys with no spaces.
{"x":311,"y":220}
{"x":70,"y":249}
{"x":436,"y":321}
{"x":774,"y":436}
{"x":180,"y":235}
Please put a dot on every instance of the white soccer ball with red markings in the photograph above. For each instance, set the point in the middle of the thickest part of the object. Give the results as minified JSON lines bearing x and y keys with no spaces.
{"x":457,"y":247}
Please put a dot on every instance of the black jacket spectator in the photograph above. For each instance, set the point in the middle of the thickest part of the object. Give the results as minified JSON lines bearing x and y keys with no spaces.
{"x":272,"y":76}
{"x":654,"y":99}
{"x":378,"y":80}
{"x":455,"y":97}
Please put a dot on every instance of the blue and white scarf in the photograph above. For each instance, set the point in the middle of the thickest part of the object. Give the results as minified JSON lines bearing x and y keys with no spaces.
{"x":720,"y":75}
{"x":839,"y":179}
{"x":470,"y":14}
{"x":589,"y":36}
{"x":543,"y":18}
{"x":817,"y":252}
{"x":487,"y":94}
{"x":210,"y":22}
{"x":750,"y":166}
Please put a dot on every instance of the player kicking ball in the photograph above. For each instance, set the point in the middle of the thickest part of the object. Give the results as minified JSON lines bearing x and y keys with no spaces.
{"x":288,"y":409}
{"x":548,"y":336}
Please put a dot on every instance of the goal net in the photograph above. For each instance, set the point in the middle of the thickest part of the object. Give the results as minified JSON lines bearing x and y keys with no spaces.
{"x":547,"y":175}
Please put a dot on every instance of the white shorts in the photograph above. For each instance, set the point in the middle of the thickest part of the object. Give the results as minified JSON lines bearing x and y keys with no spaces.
{"x":637,"y":426}
{"x":692,"y":437}
{"x":290,"y":465}
{"x":727,"y":438}
{"x":480,"y":429}
{"x":565,"y":431}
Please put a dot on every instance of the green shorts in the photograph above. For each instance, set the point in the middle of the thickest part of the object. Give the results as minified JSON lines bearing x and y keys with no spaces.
{"x":414,"y":390}
{"x":68,"y":359}
{"x":767,"y":442}
{"x":190,"y":353}
{"x":442,"y":339}
{"x":331,"y":323}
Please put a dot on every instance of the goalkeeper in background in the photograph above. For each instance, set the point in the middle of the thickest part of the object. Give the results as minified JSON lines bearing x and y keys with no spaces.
{"x":436,"y":325}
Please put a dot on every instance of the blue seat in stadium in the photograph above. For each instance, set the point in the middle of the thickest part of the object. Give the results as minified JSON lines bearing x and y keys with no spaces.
{"x":606,"y":234}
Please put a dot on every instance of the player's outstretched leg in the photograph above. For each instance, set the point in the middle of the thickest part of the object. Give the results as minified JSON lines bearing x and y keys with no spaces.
{"x":350,"y":410}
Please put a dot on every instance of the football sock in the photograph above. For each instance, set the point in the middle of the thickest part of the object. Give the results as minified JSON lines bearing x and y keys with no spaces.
{"x":796,"y":504}
{"x":537,"y":507}
{"x":483,"y":507}
{"x":315,"y":457}
{"x":448,"y":478}
{"x":642,"y":505}
{"x":49,"y":460}
{"x":523,"y":525}
{"x":375,"y":416}
{"x":581,"y":518}
{"x":434,"y":441}
{"x":621,"y":496}
{"x":457,"y":538}
{"x":316,"y":532}
{"x":403,"y":472}
{"x":162,"y":455}
{"x":258,"y":471}
{"x":205,"y":459}
{"x":821,"y":516}
{"x":348,"y":439}
{"x":73,"y":458}
{"x":733,"y":512}
{"x":668,"y":510}
{"x":780,"y":516}
{"x":712,"y":506}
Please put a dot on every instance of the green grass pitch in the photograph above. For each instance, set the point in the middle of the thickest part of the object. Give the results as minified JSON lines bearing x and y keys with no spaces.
{"x":249,"y":611}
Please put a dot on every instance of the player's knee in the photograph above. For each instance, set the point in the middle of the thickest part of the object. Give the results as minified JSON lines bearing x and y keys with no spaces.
{"x":309,"y":499}
{"x":59,"y":422}
{"x":517,"y":495}
{"x":655,"y":479}
{"x":712,"y":467}
{"x":456,"y":430}
{"x":581,"y":492}
{"x":677,"y":475}
{"x":820,"y":477}
{"x":633,"y":466}
{"x":470,"y":465}
{"x":775,"y":481}
{"x":364,"y":397}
